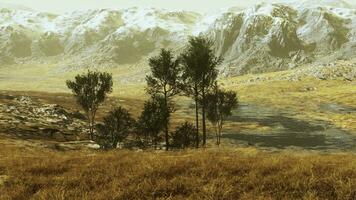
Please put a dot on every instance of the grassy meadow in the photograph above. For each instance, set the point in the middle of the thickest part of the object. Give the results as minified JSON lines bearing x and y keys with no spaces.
{"x":129,"y":82}
{"x":30,"y":170}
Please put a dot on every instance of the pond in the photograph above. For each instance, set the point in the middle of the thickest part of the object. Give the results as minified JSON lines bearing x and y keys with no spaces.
{"x":285,"y":131}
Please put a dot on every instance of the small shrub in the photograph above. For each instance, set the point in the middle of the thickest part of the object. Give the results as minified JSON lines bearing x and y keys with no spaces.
{"x":184,"y":136}
{"x":116,"y":127}
{"x":152,"y":121}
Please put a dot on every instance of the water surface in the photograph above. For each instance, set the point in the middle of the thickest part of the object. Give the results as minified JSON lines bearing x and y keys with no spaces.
{"x":285,"y":131}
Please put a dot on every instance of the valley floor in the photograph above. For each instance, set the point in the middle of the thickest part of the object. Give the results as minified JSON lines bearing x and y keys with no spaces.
{"x":39,"y":160}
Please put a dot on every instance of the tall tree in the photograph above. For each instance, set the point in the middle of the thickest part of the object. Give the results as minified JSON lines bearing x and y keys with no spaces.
{"x":199,"y":74}
{"x":164,"y":81}
{"x":90,"y":90}
{"x":220,"y":105}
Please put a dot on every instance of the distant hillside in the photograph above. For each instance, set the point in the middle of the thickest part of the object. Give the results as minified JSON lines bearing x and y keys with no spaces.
{"x":265,"y":37}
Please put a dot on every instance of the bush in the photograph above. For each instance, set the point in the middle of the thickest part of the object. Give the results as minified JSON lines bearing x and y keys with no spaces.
{"x":184,"y":136}
{"x":152,"y":120}
{"x":116,"y":127}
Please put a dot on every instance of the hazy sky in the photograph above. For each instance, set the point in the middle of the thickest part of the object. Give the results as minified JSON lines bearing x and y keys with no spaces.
{"x":60,"y":6}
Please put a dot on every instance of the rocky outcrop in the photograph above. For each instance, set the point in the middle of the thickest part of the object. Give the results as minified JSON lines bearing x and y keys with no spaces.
{"x":338,"y":70}
{"x":25,"y":117}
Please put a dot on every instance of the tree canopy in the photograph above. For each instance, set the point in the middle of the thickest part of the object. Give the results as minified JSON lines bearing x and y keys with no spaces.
{"x":164,"y":81}
{"x":90,"y":90}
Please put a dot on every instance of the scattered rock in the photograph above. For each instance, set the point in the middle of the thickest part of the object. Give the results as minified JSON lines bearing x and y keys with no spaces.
{"x":23,"y":116}
{"x":93,"y":146}
{"x":309,"y":89}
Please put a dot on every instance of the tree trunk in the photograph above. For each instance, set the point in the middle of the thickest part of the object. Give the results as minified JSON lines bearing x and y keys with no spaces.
{"x":90,"y":126}
{"x":203,"y":118}
{"x":220,"y":130}
{"x":167,"y":111}
{"x":92,"y":130}
{"x":216,"y":133}
{"x":196,"y":116}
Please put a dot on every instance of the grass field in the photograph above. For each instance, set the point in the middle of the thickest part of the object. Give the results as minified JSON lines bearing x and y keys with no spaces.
{"x":34,"y":173}
{"x":29,"y":170}
{"x":290,"y":96}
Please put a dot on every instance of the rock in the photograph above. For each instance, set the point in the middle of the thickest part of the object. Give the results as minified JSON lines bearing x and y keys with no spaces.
{"x":309,"y":89}
{"x":78,"y":115}
{"x":24,"y":100}
{"x":50,"y":131}
{"x":25,"y":117}
{"x":93,"y":146}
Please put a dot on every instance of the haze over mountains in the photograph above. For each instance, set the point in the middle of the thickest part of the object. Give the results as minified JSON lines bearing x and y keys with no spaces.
{"x":262,"y":38}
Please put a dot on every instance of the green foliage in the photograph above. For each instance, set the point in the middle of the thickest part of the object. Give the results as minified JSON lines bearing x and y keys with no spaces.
{"x":117,"y":125}
{"x":184,"y":136}
{"x":152,"y":120}
{"x":164,"y":81}
{"x":165,"y":74}
{"x":199,"y":65}
{"x":90,"y":90}
{"x":199,"y":74}
{"x":220,"y":105}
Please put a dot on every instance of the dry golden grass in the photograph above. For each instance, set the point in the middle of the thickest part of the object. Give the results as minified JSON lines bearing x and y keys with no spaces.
{"x":291,"y":96}
{"x":128,"y":79}
{"x":29,"y":171}
{"x":195,"y":174}
{"x":134,"y":105}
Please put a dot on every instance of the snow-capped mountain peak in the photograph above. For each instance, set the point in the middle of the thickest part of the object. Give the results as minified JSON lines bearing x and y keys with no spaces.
{"x":264,"y":37}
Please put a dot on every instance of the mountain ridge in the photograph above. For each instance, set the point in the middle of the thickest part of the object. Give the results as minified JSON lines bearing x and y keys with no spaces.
{"x":261,"y":38}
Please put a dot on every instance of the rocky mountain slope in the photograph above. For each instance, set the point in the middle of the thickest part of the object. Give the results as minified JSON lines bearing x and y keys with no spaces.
{"x":265,"y":37}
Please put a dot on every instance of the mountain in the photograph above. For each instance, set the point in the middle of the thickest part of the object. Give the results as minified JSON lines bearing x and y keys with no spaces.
{"x":116,"y":36}
{"x":272,"y":37}
{"x":14,"y":6}
{"x":262,"y":38}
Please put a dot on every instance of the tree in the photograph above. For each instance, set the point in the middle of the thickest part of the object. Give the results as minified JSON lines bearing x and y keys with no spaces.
{"x":184,"y":136}
{"x":219,"y":106}
{"x":164,"y":81}
{"x":199,"y":73}
{"x":90,"y":90}
{"x":149,"y":124}
{"x":117,"y":125}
